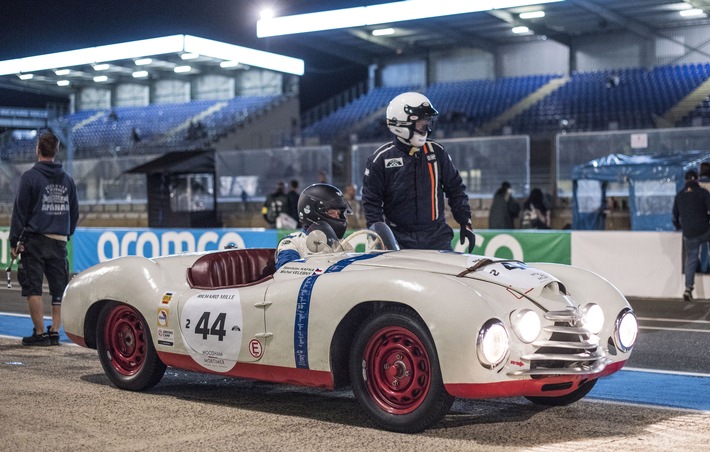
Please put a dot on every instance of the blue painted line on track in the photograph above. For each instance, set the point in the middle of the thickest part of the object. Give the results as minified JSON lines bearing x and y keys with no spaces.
{"x":662,"y":389}
{"x":655,"y":388}
{"x":21,"y":325}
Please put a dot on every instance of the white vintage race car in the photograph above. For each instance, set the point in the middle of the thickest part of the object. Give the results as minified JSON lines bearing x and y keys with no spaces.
{"x":408,"y":330}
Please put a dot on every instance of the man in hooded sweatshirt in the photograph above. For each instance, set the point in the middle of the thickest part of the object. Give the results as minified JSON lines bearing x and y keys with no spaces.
{"x":44,"y":216}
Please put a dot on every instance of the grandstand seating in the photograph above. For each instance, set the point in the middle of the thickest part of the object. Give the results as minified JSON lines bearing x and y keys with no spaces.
{"x":147,"y":129}
{"x":589,"y":101}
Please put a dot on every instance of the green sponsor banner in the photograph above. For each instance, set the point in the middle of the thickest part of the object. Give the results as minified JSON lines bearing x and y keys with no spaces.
{"x":528,"y":246}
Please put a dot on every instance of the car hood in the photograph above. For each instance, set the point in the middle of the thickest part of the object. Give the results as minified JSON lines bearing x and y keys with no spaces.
{"x":514,"y":275}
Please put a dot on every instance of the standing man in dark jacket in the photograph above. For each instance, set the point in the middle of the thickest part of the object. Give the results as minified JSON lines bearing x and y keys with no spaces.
{"x":691,"y":214}
{"x":44,"y":216}
{"x":406,"y":180}
{"x":504,"y":209}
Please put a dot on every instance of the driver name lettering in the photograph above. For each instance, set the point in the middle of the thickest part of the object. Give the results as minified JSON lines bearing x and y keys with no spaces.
{"x":216,"y":296}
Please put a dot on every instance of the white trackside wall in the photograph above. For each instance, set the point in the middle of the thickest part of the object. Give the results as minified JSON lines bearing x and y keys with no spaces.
{"x":639,"y":264}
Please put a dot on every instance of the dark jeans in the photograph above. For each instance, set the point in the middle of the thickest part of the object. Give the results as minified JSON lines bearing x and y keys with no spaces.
{"x":692,"y":253}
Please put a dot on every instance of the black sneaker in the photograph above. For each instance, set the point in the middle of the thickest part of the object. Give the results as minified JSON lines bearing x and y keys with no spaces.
{"x":36,"y":339}
{"x":688,"y":295}
{"x":53,"y":337}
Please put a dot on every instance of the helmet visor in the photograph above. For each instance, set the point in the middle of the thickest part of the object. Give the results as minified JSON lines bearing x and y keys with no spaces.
{"x":336,"y":208}
{"x":422,"y":111}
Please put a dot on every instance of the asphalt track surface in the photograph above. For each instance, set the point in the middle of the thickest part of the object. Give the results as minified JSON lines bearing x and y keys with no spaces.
{"x":58,"y":398}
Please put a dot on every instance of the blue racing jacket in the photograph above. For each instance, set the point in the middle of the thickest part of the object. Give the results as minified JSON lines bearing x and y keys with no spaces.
{"x":405,"y":187}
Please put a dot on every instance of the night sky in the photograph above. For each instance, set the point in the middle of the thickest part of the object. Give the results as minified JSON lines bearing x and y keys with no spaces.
{"x":37,"y":27}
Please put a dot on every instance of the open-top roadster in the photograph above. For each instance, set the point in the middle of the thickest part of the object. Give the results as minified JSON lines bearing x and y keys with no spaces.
{"x":408,"y":330}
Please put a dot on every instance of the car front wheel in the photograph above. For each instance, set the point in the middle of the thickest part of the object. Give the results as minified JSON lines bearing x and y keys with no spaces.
{"x":126,"y":349}
{"x":395,"y":374}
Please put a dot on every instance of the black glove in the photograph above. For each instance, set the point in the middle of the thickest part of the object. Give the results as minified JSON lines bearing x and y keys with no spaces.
{"x":467,"y":233}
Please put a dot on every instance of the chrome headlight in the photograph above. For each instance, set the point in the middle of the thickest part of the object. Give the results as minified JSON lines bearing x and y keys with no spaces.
{"x":526,"y":325}
{"x":593,"y":317}
{"x":626,"y":329}
{"x":492,"y":344}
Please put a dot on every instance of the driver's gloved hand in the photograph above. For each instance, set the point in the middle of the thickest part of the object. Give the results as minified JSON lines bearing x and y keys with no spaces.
{"x":467,"y":233}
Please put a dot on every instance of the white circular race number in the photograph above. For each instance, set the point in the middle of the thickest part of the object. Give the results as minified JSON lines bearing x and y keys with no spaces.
{"x":211,"y":325}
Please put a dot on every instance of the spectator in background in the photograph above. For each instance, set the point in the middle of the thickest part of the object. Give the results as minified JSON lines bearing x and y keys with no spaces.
{"x":691,"y":215}
{"x":504,"y":209}
{"x":293,"y":195}
{"x":704,"y":181}
{"x":536,"y":215}
{"x":406,"y":180}
{"x":44,"y":216}
{"x":350,"y":195}
{"x":275,"y":204}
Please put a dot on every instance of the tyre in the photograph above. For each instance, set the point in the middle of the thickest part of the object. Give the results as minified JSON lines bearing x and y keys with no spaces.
{"x":126,"y":349}
{"x":395,"y":373}
{"x":572,"y":397}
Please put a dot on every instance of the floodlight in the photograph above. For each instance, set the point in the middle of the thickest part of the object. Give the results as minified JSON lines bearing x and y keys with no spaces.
{"x":100,"y":78}
{"x":189,"y":56}
{"x":380,"y":14}
{"x":101,"y":67}
{"x":140,"y":74}
{"x":26,"y":76}
{"x":62,"y":71}
{"x":692,"y":12}
{"x":532,"y":15}
{"x":63,"y":82}
{"x":519,"y":30}
{"x":383,"y":32}
{"x":143,"y":61}
{"x":182,"y":69}
{"x":230,"y":63}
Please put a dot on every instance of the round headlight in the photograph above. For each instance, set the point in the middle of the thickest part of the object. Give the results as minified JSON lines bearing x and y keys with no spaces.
{"x":526,"y":325}
{"x":593,"y":318}
{"x":626,"y":330}
{"x":492,"y":345}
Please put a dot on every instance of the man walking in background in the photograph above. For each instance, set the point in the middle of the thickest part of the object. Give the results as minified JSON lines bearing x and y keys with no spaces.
{"x":44,"y":216}
{"x":691,"y":214}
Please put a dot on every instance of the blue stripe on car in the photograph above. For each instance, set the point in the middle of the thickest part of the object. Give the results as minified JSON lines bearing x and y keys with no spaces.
{"x":303,"y":307}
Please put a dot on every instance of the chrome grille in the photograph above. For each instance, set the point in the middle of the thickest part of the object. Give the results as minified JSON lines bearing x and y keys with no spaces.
{"x":570,"y":350}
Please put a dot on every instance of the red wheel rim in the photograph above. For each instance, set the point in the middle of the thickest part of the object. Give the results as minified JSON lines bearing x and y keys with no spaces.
{"x":397,"y":370}
{"x":125,"y":340}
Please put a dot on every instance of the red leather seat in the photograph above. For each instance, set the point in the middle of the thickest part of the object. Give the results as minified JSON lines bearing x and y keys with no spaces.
{"x":232,"y":268}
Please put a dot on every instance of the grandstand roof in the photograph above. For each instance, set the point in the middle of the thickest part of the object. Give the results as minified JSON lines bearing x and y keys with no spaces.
{"x":333,"y":52}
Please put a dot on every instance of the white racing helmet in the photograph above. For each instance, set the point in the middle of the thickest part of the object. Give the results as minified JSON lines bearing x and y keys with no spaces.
{"x":409,"y":117}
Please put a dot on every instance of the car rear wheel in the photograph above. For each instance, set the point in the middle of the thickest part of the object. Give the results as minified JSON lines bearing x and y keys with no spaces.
{"x":572,"y":397}
{"x":395,"y":373}
{"x":126,"y":349}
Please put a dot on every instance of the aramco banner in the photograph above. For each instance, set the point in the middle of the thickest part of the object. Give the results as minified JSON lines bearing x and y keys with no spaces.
{"x":90,"y":246}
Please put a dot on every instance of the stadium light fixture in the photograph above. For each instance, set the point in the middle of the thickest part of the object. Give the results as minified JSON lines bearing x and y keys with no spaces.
{"x":383,"y":32}
{"x":100,"y":78}
{"x":62,"y":71}
{"x":520,"y":30}
{"x":26,"y":76}
{"x":137,"y":50}
{"x":140,"y":74}
{"x":182,"y":69}
{"x":228,"y":64}
{"x":143,"y":61}
{"x":189,"y":56}
{"x":532,"y":15}
{"x":63,"y":82}
{"x":694,"y":12}
{"x":380,"y":14}
{"x":101,"y":67}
